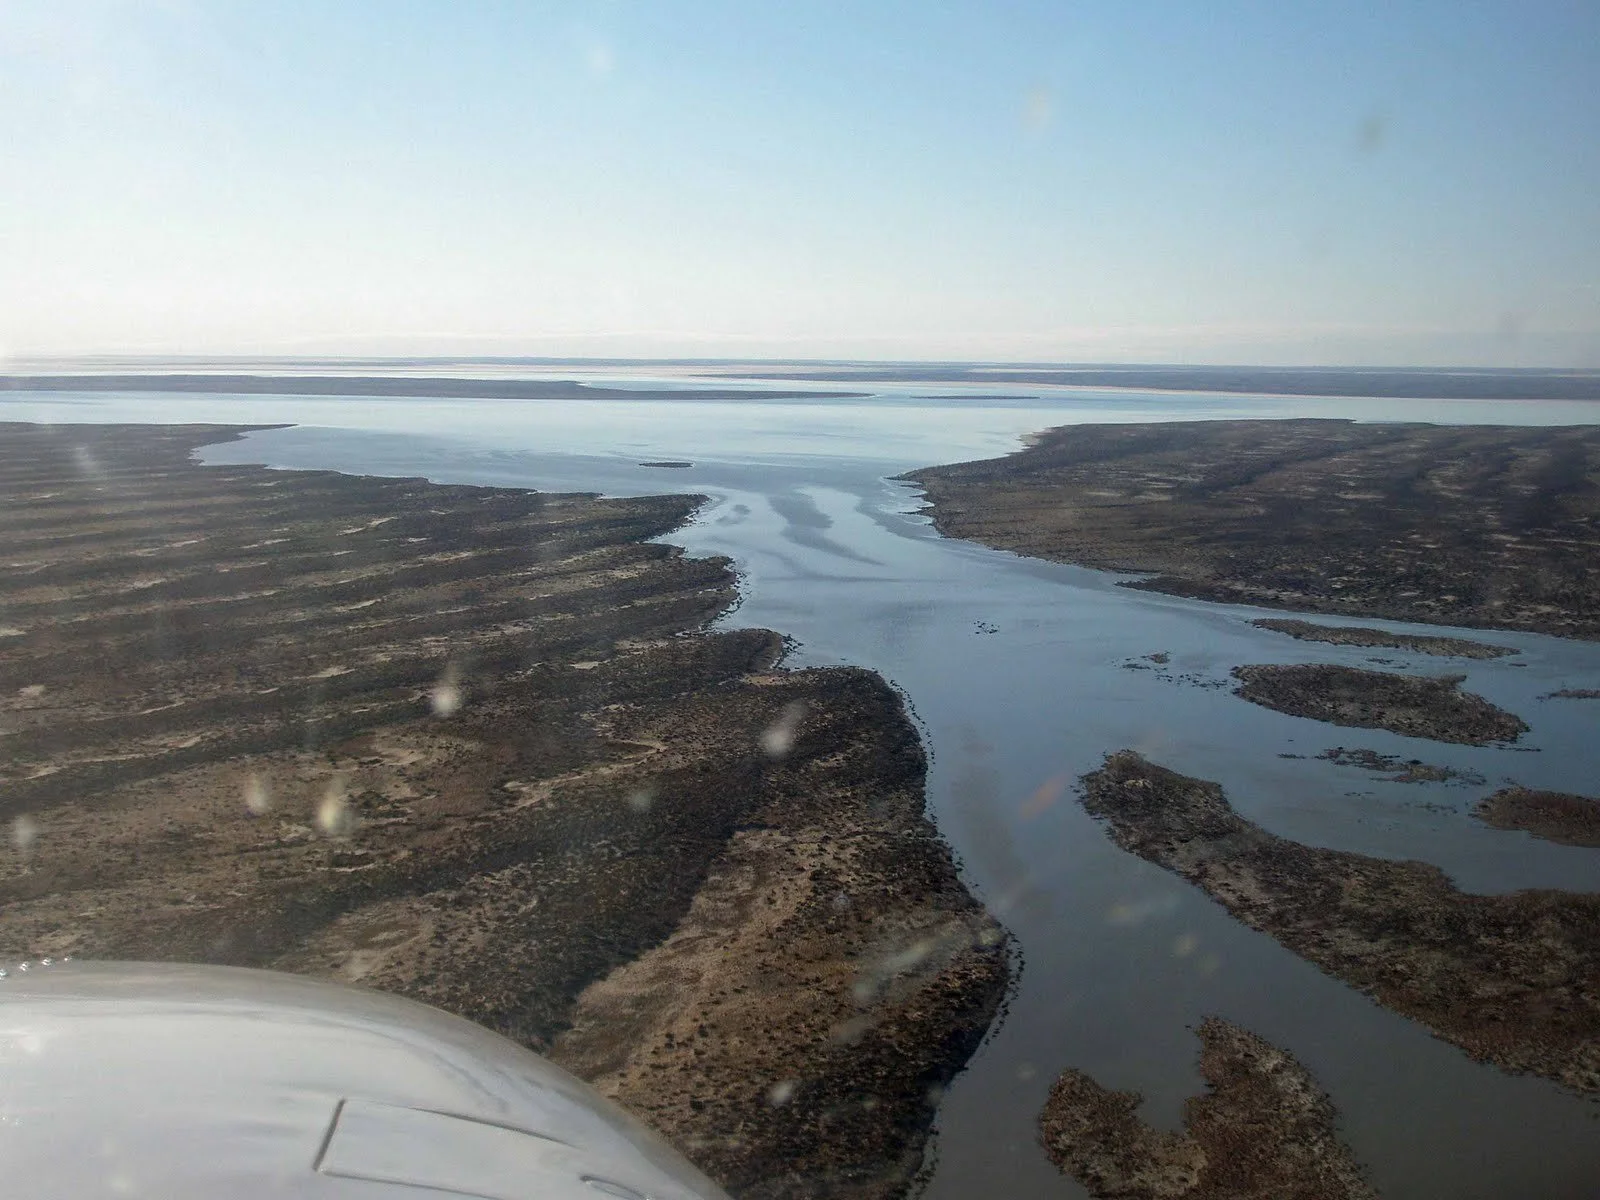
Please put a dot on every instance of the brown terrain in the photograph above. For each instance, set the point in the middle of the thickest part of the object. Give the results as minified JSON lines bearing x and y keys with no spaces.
{"x":1487,"y":526}
{"x":469,"y":745}
{"x":1417,"y":706}
{"x":1263,"y":1129}
{"x":1555,"y":816}
{"x":1512,"y":979}
{"x":1362,"y":635}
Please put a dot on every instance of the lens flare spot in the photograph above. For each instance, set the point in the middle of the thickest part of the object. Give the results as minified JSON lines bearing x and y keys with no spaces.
{"x":1043,"y":798}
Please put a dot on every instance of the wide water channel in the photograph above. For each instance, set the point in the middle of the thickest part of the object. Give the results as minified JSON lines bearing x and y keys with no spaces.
{"x":1023,"y":675}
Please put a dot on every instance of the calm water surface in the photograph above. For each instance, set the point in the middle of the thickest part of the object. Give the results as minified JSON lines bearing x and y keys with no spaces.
{"x":1023,"y":675}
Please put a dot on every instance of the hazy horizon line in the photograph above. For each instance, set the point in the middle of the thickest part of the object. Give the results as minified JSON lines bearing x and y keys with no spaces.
{"x":8,"y":366}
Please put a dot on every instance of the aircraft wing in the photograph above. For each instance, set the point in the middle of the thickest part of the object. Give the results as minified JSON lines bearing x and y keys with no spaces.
{"x":176,"y":1082}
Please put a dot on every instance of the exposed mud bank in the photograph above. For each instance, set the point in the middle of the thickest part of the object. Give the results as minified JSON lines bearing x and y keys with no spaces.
{"x":1263,"y":1129}
{"x":1512,"y":979}
{"x":465,"y":744}
{"x":1416,"y":706}
{"x":1486,"y":526}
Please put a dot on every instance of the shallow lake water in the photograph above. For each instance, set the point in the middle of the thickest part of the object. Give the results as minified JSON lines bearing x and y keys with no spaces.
{"x":1023,"y":675}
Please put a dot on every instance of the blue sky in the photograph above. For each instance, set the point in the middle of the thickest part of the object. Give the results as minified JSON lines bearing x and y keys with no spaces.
{"x":1222,"y":182}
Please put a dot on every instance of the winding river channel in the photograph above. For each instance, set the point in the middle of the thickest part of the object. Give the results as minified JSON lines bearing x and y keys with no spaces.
{"x":1023,"y":675}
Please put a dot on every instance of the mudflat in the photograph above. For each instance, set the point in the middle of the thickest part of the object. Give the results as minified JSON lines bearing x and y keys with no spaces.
{"x":1264,"y":1128}
{"x":1486,"y":526}
{"x":472,"y":745}
{"x":1512,"y":979}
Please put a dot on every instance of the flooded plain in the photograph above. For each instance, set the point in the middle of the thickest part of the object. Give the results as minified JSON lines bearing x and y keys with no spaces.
{"x":1023,"y":675}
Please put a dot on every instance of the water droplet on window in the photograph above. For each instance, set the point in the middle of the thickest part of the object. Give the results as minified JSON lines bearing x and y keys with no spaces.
{"x":778,"y":738}
{"x":335,"y":817}
{"x":257,"y":796}
{"x":848,"y":1033}
{"x":447,"y":696}
{"x":446,"y":699}
{"x":24,"y":832}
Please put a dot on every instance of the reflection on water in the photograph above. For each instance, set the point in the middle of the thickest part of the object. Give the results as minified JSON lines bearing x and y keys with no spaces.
{"x":1019,"y":672}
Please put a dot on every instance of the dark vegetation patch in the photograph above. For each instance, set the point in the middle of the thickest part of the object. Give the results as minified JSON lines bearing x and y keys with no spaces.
{"x":1417,"y":706}
{"x":1512,"y":979}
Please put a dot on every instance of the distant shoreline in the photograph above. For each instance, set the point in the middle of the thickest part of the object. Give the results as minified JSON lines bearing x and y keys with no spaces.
{"x":1368,"y":383}
{"x":1365,"y":383}
{"x":352,"y":385}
